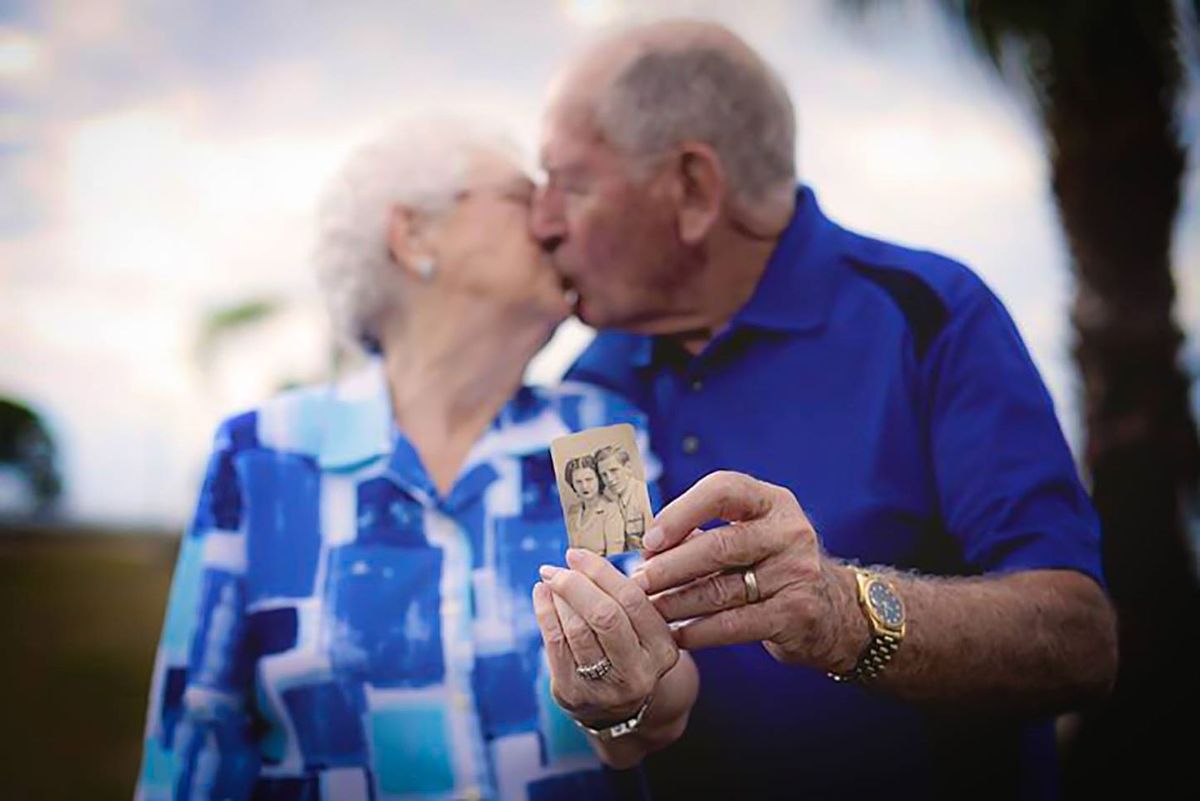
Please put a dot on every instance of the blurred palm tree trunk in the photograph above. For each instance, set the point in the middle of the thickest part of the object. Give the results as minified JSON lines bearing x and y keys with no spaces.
{"x":1105,"y":78}
{"x":1108,"y":85}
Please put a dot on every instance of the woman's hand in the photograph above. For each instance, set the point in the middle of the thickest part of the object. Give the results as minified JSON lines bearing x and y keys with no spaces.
{"x":592,"y":616}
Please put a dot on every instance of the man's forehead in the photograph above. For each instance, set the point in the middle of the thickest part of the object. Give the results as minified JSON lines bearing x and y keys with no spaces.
{"x":569,"y":130}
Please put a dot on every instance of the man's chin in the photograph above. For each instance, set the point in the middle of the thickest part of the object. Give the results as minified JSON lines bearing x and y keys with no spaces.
{"x":596,"y":315}
{"x":584,"y":312}
{"x":601,"y":317}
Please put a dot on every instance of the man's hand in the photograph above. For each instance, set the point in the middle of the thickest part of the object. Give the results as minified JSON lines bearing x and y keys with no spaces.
{"x":807,"y":610}
{"x":1023,"y":642}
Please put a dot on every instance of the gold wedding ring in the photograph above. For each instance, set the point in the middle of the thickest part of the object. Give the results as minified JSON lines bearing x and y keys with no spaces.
{"x":751,"y":582}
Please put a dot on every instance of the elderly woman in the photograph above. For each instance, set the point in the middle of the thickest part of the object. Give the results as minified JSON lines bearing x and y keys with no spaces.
{"x":594,"y":522}
{"x":352,"y":615}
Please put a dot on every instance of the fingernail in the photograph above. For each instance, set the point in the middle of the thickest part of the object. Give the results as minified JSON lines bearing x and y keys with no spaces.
{"x":574,"y":555}
{"x":546,"y":571}
{"x":641,"y":579}
{"x":653,"y":539}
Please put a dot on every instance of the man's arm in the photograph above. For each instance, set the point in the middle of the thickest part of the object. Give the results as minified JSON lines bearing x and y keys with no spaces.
{"x":1034,"y":641}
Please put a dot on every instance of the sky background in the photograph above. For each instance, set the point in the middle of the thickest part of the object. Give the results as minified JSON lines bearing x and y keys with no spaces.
{"x":160,"y":160}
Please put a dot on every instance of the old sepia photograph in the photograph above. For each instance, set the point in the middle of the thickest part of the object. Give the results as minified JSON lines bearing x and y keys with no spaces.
{"x":602,"y":485}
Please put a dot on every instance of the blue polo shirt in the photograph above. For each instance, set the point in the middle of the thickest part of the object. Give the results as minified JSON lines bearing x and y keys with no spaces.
{"x":889,"y":390}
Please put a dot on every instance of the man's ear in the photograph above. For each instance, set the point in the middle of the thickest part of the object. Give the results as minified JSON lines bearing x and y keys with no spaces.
{"x":405,"y":234}
{"x":701,"y":187}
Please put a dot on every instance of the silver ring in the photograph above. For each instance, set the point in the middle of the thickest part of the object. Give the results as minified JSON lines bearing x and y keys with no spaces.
{"x":751,"y":582}
{"x":596,"y":671}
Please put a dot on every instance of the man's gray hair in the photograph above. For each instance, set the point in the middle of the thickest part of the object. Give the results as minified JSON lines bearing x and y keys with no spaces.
{"x":733,"y":102}
{"x":421,"y":163}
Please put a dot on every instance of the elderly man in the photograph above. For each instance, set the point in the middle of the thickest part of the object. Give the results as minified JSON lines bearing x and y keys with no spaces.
{"x":923,"y":570}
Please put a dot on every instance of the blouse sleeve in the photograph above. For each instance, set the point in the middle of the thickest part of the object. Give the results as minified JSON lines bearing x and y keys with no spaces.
{"x":199,"y":738}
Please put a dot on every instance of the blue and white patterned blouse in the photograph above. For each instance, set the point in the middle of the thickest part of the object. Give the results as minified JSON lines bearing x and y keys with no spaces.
{"x":337,"y":631}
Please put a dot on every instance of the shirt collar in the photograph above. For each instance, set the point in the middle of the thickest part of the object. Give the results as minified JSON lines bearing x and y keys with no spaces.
{"x":796,"y":288}
{"x":643,"y":351}
{"x":357,"y":420}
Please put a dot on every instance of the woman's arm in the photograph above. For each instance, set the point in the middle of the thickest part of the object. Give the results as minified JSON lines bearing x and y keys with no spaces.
{"x":665,"y":719}
{"x":592,"y":615}
{"x":198,"y":740}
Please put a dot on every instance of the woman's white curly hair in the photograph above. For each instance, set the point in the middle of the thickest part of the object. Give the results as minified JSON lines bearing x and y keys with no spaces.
{"x":420,"y":163}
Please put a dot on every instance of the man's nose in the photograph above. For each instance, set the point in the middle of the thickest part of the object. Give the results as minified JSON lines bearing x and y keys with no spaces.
{"x":545,"y":223}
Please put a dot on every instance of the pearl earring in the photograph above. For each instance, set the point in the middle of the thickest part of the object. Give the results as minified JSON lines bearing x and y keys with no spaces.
{"x":425,"y":267}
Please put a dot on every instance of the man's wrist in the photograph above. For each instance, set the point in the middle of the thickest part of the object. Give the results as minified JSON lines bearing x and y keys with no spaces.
{"x":853,"y":634}
{"x":884,"y":610}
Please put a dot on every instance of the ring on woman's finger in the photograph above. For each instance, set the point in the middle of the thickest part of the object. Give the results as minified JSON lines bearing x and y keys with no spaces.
{"x":596,"y":671}
{"x":750,"y":580}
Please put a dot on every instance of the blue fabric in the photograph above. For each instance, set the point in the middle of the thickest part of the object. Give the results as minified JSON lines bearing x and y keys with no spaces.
{"x":506,"y":685}
{"x":283,"y":536}
{"x":888,"y":389}
{"x":338,"y":631}
{"x":326,"y":717}
{"x":388,"y":515}
{"x":389,"y":650}
{"x":272,"y":631}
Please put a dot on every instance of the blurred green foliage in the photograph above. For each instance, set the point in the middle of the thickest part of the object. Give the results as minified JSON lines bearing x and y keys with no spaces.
{"x":26,"y":444}
{"x":222,"y":321}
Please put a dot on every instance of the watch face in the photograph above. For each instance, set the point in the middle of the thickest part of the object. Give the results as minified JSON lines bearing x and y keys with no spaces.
{"x":885,"y":604}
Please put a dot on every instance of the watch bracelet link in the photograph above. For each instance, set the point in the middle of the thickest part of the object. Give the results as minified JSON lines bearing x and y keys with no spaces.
{"x":878,"y":653}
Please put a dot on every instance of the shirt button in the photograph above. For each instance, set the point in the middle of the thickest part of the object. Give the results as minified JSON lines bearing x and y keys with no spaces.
{"x":697,"y":385}
{"x":691,"y":444}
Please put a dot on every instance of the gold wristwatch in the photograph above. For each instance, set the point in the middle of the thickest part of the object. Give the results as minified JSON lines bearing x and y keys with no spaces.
{"x":885,"y":616}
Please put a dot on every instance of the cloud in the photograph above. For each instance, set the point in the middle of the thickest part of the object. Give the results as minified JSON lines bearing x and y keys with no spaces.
{"x":161,"y":158}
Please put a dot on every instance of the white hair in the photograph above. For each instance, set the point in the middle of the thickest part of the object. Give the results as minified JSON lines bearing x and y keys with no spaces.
{"x":694,"y":89}
{"x":420,"y":163}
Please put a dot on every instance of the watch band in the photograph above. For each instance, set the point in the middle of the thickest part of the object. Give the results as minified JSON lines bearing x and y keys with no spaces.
{"x":879,"y":652}
{"x":621,"y":728}
{"x":885,"y":637}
